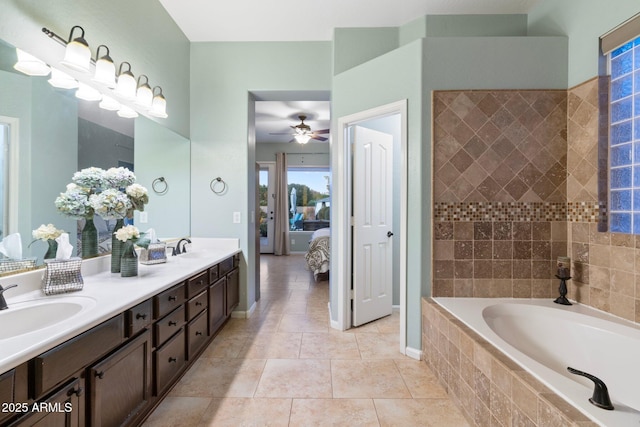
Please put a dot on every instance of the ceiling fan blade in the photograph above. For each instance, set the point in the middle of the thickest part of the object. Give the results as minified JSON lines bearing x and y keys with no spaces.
{"x":319,"y":138}
{"x":322,"y":131}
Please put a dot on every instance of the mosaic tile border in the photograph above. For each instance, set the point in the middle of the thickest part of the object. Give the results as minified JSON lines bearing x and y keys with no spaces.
{"x":519,"y":211}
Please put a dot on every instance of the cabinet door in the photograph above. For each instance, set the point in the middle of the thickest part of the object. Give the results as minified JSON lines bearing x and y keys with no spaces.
{"x":217,"y":305}
{"x":170,"y":361}
{"x":64,"y":408}
{"x":120,"y":385}
{"x":233,"y":290}
{"x":197,"y":335}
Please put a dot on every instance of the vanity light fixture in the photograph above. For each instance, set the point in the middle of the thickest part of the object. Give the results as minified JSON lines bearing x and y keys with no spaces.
{"x":126,"y":86}
{"x":105,"y":69}
{"x":62,"y":80}
{"x":144,"y":94}
{"x":77,"y":55}
{"x":30,"y":65}
{"x":88,"y":93}
{"x":108,"y":103}
{"x":159,"y":104}
{"x":127,"y":112}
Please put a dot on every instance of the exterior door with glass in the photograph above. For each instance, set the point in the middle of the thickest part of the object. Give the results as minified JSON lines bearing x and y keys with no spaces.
{"x":266,"y":198}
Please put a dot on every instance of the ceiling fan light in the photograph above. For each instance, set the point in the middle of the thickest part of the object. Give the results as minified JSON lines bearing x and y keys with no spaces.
{"x":302,"y":138}
{"x":30,"y":65}
{"x":62,"y":80}
{"x":127,"y":112}
{"x":88,"y":93}
{"x":77,"y":55}
{"x":110,"y":104}
{"x":105,"y":69}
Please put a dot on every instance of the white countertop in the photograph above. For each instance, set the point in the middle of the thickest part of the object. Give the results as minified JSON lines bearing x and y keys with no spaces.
{"x":104,"y":295}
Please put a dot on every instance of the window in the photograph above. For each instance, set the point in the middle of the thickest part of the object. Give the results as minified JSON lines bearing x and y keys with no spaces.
{"x":309,"y":197}
{"x":624,"y":154}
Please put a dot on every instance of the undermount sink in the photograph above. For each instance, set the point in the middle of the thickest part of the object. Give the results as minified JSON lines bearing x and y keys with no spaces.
{"x":30,"y":316}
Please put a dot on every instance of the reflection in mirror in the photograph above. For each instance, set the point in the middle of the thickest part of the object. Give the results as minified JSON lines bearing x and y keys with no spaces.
{"x":57,"y":135}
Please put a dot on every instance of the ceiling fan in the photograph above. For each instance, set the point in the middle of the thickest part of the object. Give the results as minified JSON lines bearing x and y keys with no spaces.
{"x":302,"y":132}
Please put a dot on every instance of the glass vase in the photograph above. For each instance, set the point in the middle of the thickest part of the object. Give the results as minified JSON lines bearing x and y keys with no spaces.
{"x":129,"y":260}
{"x":52,"y":249}
{"x":116,"y":247}
{"x":89,"y":239}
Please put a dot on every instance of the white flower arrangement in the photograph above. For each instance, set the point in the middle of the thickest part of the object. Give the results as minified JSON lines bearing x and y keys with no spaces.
{"x":46,"y":232}
{"x":118,"y":178}
{"x":110,"y":204}
{"x":131,"y":233}
{"x":92,"y":178}
{"x":138,"y":196}
{"x":75,"y":202}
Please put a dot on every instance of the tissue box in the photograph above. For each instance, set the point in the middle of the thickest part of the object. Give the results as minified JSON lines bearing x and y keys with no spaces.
{"x":62,"y":275}
{"x":17,"y":264}
{"x":156,"y":253}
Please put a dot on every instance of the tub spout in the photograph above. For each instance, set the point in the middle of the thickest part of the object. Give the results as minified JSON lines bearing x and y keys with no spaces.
{"x":600,"y":396}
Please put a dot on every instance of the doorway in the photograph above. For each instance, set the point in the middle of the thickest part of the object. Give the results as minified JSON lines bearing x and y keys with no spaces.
{"x":343,"y":244}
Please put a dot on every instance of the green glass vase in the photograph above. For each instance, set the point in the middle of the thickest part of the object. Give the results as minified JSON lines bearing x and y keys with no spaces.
{"x":129,"y":260}
{"x":89,"y":239}
{"x":116,"y":247}
{"x":52,"y":249}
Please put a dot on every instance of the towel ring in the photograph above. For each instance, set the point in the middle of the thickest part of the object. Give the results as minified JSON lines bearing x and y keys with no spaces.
{"x":160,"y":186}
{"x":215,"y":185}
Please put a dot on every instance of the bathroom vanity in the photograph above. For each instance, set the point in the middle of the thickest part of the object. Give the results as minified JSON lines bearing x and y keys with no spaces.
{"x":112,"y":364}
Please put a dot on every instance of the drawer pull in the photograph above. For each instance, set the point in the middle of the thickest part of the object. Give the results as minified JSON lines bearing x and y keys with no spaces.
{"x":172,"y":360}
{"x":198,"y":304}
{"x":198,"y":333}
{"x":142,"y":316}
{"x":173,"y":298}
{"x":100,"y":374}
{"x":77,"y":391}
{"x":173,"y":323}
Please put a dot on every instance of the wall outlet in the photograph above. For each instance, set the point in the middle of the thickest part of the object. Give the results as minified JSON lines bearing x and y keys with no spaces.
{"x":293,"y":241}
{"x":144,"y":217}
{"x":236,"y":217}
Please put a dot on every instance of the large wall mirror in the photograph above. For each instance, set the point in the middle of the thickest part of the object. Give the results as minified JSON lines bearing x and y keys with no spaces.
{"x":47,"y":134}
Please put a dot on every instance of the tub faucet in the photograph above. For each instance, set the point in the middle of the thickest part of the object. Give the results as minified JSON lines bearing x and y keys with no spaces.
{"x":3,"y":302}
{"x":600,"y":396}
{"x":177,"y":250}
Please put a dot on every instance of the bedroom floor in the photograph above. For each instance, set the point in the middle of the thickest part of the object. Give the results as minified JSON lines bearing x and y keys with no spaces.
{"x":285,"y":366}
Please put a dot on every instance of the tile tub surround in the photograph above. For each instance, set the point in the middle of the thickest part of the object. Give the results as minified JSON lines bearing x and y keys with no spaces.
{"x":487,"y":386}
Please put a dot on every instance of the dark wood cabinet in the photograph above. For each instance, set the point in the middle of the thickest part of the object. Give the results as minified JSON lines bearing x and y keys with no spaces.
{"x":233,"y":290}
{"x":217,"y":305}
{"x":197,"y":335}
{"x":138,"y":317}
{"x":169,"y":361}
{"x":65,"y":407}
{"x":120,"y":384}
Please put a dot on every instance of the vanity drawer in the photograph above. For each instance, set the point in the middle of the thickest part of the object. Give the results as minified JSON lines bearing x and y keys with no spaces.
{"x":61,"y":362}
{"x":213,"y":274}
{"x":166,"y":301}
{"x":7,"y":380}
{"x":168,"y":325}
{"x":225,"y":266}
{"x":196,"y":335}
{"x":196,"y":305}
{"x":169,"y":361}
{"x":197,"y":284}
{"x":138,"y":317}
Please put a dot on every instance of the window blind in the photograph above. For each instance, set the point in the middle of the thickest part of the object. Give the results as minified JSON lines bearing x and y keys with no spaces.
{"x":620,"y":35}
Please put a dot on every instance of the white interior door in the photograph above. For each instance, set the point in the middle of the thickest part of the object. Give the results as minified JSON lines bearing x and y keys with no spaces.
{"x":266,"y":178}
{"x":372,"y":225}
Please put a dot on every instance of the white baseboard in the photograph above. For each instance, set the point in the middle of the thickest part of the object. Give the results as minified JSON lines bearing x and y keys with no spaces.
{"x":334,"y":323}
{"x":413,"y":353}
{"x":237,"y":314}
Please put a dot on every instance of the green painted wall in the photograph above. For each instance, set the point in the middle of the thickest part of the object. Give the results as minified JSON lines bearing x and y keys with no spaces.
{"x":476,"y":25}
{"x":223,"y":75}
{"x":583,"y":22}
{"x":354,"y":46}
{"x":140,"y":32}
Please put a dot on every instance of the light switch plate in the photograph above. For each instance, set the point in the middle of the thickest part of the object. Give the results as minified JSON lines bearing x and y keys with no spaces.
{"x":144,"y":217}
{"x":236,"y":217}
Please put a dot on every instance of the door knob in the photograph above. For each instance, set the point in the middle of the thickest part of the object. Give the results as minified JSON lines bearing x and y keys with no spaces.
{"x":389,"y":234}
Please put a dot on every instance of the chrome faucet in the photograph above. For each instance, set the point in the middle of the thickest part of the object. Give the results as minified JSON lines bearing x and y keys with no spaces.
{"x":177,"y":250}
{"x":3,"y":302}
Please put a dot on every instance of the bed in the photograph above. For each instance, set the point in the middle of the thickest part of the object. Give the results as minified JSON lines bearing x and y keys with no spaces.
{"x":318,"y":254}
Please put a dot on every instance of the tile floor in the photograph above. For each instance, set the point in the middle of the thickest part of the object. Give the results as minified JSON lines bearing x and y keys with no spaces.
{"x":285,"y":366}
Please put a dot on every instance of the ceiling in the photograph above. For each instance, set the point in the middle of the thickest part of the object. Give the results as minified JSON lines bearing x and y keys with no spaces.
{"x":295,"y":20}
